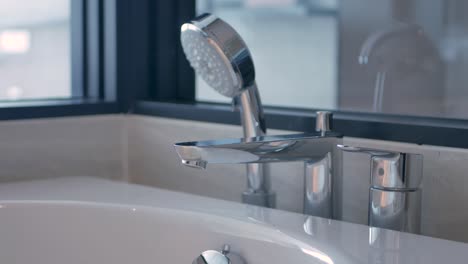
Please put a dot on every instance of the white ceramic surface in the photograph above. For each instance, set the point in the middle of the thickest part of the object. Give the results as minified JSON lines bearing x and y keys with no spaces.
{"x":86,"y":220}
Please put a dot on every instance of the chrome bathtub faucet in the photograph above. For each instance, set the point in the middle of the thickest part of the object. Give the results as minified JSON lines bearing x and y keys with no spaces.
{"x":394,"y":191}
{"x":221,"y":58}
{"x":395,"y":178}
{"x":317,"y":150}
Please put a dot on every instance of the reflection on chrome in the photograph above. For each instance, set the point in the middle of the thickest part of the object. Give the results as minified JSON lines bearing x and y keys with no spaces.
{"x":311,"y":224}
{"x":384,"y":245}
{"x":318,"y":255}
{"x":400,"y":56}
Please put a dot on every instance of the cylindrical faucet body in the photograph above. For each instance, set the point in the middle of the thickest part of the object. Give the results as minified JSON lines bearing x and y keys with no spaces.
{"x":320,"y":176}
{"x":396,"y":210}
{"x":394,"y":192}
{"x":318,"y":180}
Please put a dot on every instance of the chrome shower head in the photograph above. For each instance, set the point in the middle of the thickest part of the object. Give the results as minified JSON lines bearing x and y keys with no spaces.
{"x":218,"y":54}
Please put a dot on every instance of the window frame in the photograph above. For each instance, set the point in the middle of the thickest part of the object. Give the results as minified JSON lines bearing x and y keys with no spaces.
{"x":171,"y":94}
{"x":127,"y":58}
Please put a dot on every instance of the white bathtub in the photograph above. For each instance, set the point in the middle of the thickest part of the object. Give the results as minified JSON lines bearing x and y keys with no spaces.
{"x":85,"y":220}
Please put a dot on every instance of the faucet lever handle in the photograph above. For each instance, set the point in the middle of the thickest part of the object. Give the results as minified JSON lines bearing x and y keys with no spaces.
{"x":370,"y":151}
{"x":391,"y":170}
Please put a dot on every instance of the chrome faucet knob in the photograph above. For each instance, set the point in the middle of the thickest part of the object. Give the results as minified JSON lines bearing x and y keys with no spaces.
{"x":392,"y":170}
{"x":212,"y":257}
{"x":323,"y":121}
{"x":216,"y":257}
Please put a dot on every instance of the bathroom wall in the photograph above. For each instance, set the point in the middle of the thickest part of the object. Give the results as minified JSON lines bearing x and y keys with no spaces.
{"x":71,"y":146}
{"x":139,"y":149}
{"x":152,"y":161}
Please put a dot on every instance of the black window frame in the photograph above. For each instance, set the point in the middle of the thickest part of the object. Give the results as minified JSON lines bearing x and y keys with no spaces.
{"x":127,"y":59}
{"x":171,"y":94}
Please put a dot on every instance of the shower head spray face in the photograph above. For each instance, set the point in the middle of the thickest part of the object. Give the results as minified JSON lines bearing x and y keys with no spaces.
{"x":218,"y":54}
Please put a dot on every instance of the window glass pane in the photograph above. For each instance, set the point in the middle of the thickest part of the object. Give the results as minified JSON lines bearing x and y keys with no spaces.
{"x":292,"y":68}
{"x":35,"y":49}
{"x":405,"y":57}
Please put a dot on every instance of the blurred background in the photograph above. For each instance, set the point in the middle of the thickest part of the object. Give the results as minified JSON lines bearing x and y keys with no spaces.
{"x":307,"y":53}
{"x":405,"y":57}
{"x":294,"y":45}
{"x":35,"y":49}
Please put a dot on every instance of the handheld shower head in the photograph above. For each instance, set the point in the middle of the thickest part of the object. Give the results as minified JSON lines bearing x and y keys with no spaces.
{"x":218,"y":54}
